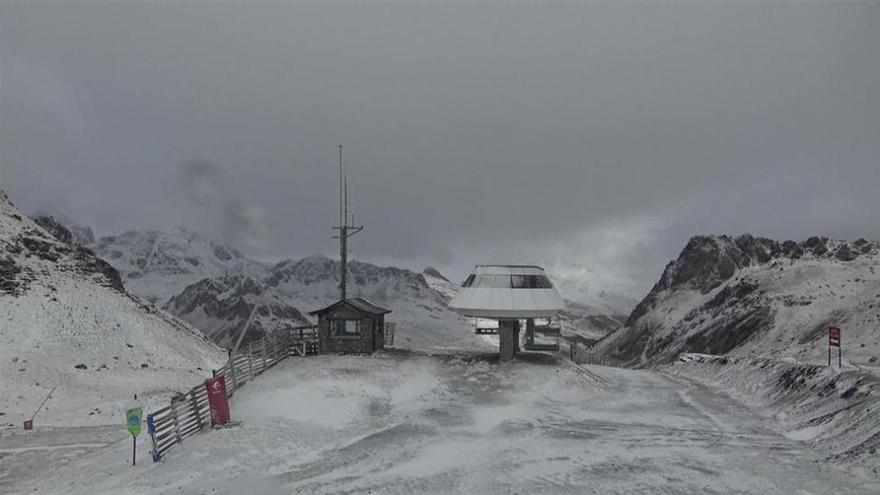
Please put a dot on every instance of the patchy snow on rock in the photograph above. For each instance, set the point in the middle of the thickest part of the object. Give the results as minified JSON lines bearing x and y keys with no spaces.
{"x":753,"y":296}
{"x":221,"y":306}
{"x":65,"y":322}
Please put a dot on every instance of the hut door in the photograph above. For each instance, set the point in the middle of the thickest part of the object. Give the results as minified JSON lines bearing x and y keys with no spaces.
{"x":378,"y":337}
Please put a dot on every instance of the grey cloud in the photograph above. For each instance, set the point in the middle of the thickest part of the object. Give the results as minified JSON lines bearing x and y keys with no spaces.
{"x":203,"y":182}
{"x":507,"y":131}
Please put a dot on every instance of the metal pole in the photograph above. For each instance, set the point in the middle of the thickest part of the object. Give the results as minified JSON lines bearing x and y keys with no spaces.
{"x":343,"y":226}
{"x":133,"y":449}
{"x":244,"y":330}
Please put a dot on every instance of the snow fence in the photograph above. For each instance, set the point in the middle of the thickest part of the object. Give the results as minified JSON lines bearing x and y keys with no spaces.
{"x":189,"y":413}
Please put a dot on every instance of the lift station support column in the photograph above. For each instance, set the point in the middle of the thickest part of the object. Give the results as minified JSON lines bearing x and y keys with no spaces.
{"x":508,"y":333}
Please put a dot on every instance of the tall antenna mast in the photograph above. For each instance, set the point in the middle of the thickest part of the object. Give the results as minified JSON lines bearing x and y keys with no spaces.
{"x":345,"y":230}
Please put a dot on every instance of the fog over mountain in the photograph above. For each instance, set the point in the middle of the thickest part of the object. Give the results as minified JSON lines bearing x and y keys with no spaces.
{"x":599,"y":136}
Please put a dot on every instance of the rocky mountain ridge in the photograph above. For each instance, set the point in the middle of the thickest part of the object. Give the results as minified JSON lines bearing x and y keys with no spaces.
{"x":759,"y":296}
{"x":158,"y":265}
{"x":222,"y":305}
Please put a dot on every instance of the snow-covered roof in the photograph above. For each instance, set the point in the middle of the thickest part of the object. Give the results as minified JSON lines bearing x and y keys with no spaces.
{"x":507,"y":291}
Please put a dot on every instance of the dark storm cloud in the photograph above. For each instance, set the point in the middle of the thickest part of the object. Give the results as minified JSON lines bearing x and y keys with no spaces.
{"x":522,"y":132}
{"x":204,"y":183}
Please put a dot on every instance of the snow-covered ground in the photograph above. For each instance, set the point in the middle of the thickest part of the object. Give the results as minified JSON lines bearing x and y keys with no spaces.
{"x":400,"y":422}
{"x":837,"y":411}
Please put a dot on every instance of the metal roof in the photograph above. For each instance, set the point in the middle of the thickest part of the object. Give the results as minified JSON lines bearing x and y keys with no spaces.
{"x":361,"y":304}
{"x":508,"y":269}
{"x":507,"y":301}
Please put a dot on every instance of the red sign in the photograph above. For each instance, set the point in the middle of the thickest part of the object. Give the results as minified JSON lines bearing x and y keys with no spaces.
{"x":834,"y":337}
{"x":217,"y":400}
{"x":28,"y":424}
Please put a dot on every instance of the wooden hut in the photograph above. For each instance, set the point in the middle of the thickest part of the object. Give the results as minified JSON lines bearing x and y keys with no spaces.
{"x":351,"y":325}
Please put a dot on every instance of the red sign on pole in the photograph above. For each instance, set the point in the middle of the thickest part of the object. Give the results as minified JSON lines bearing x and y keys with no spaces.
{"x":834,"y":341}
{"x":834,"y":336}
{"x":217,"y":400}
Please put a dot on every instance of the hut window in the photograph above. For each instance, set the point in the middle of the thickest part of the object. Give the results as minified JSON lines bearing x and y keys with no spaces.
{"x":345,"y":327}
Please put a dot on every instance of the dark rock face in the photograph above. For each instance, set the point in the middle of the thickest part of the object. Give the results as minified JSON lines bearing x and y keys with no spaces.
{"x":12,"y":281}
{"x":730,"y":332}
{"x":221,"y":306}
{"x":68,"y":233}
{"x":55,"y":228}
{"x":844,"y":253}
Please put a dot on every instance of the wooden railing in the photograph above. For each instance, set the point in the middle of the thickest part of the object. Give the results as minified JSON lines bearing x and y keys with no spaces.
{"x":189,"y":413}
{"x":583,"y":355}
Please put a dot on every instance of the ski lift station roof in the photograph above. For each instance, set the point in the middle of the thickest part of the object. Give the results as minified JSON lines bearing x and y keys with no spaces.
{"x":507,"y":292}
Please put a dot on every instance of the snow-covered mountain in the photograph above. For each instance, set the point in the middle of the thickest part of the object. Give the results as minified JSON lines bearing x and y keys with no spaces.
{"x":220,"y":307}
{"x":66,"y":321}
{"x":756,"y":296}
{"x":158,"y":265}
{"x":420,"y":313}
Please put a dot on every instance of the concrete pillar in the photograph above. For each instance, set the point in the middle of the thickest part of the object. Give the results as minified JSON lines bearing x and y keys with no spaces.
{"x":530,"y":331}
{"x":516,"y":337}
{"x":506,"y":331}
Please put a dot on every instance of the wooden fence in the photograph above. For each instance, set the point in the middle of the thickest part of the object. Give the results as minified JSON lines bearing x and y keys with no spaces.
{"x":583,"y":355}
{"x":189,"y":413}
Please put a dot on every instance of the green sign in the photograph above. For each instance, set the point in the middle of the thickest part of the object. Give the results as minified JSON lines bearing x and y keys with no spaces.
{"x":133,"y":420}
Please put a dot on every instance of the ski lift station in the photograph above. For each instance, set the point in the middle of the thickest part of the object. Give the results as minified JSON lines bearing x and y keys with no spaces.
{"x":512,"y":294}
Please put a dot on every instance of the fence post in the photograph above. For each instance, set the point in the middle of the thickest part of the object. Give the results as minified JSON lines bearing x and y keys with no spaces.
{"x":263,"y":356}
{"x":175,"y":401}
{"x":195,"y":406}
{"x":232,"y":374}
{"x":151,"y":430}
{"x":251,"y":359}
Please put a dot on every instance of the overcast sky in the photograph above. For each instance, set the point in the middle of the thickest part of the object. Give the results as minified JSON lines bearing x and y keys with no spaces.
{"x":597,"y":134}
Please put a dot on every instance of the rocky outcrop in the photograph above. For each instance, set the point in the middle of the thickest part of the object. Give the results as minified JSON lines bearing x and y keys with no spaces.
{"x":65,"y":230}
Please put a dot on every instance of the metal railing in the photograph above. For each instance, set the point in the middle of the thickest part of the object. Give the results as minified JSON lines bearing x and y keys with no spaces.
{"x":583,"y":355}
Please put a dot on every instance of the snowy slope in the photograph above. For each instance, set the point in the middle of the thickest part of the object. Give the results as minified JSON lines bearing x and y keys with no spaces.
{"x":420,"y":312}
{"x":837,"y":412}
{"x":756,"y":296}
{"x":65,"y":321}
{"x":220,"y":307}
{"x":158,"y":265}
{"x":440,"y":283}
